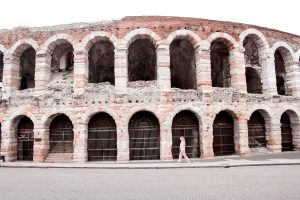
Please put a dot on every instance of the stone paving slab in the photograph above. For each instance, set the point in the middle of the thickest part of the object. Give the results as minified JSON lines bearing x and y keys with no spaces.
{"x":291,"y":158}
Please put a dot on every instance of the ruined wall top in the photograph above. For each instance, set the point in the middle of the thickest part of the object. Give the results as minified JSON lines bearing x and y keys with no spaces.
{"x":162,"y":26}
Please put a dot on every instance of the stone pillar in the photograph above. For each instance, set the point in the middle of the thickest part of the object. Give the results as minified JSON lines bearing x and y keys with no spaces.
{"x":42,"y":72}
{"x":121,"y":71}
{"x":41,"y":143}
{"x":123,"y":144}
{"x":268,"y":75}
{"x":9,"y":142}
{"x":292,"y":79}
{"x":203,"y":68}
{"x":163,"y":67}
{"x":80,"y":143}
{"x":166,"y":143}
{"x":296,"y":135}
{"x":80,"y":70}
{"x":241,"y":138}
{"x":237,"y":69}
{"x":206,"y":139}
{"x":10,"y":75}
{"x":274,"y":136}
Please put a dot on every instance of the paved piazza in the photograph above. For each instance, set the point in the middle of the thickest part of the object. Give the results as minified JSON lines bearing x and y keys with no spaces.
{"x":264,"y":182}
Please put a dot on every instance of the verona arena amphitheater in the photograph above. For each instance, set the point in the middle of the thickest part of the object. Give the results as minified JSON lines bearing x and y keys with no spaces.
{"x":128,"y":89}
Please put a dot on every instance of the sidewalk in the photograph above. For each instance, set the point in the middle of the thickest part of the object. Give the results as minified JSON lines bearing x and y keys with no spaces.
{"x":286,"y":158}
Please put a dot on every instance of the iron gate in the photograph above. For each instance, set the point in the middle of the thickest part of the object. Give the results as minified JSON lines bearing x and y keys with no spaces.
{"x":102,"y":144}
{"x":286,"y":137}
{"x":223,"y":142}
{"x":256,"y":135}
{"x":144,"y":143}
{"x":25,"y":144}
{"x":191,"y":135}
{"x":61,"y":140}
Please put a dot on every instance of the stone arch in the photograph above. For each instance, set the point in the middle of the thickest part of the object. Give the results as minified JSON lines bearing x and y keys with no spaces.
{"x":185,"y":34}
{"x":184,"y":50}
{"x":141,"y":33}
{"x":2,"y":53}
{"x":23,"y":58}
{"x":46,"y":120}
{"x":19,"y":113}
{"x":267,"y":114}
{"x":87,"y":117}
{"x":50,"y":43}
{"x":258,"y":62}
{"x":142,"y":109}
{"x":221,"y":47}
{"x":283,"y":58}
{"x":294,"y":118}
{"x":97,"y":36}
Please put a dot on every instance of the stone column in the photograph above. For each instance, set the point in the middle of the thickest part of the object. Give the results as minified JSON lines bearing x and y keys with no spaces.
{"x":166,"y":143}
{"x":274,"y":136}
{"x":269,"y":75}
{"x":241,"y":138}
{"x":121,"y":73}
{"x":80,"y":143}
{"x":237,"y":69}
{"x":203,"y":68}
{"x":206,"y":139}
{"x":41,"y":143}
{"x":292,"y":78}
{"x":9,"y":142}
{"x":42,"y":72}
{"x":122,"y":144}
{"x":163,"y":67}
{"x":10,"y":75}
{"x":80,"y":70}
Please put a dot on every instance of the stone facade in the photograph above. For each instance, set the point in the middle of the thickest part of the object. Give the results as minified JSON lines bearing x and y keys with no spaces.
{"x":72,"y":94}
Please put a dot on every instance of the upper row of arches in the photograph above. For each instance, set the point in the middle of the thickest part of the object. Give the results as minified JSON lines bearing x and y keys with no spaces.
{"x":142,"y":46}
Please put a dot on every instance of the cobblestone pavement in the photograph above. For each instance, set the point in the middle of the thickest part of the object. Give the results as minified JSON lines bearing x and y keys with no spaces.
{"x":261,"y":182}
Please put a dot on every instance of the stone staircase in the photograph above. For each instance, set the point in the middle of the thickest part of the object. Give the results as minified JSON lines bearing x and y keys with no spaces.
{"x":59,"y":158}
{"x":260,"y":151}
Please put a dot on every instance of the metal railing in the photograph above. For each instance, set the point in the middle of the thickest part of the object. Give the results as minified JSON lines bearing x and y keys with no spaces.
{"x":25,"y":144}
{"x":61,"y":140}
{"x":223,"y":143}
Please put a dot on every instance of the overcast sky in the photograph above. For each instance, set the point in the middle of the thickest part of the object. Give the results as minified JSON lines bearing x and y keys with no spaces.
{"x":278,"y":14}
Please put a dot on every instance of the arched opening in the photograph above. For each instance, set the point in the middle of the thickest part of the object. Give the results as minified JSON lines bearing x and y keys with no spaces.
{"x":62,"y":58}
{"x":253,"y":65}
{"x":280,"y":73}
{"x":223,"y":132}
{"x":61,"y":135}
{"x":220,"y":66}
{"x":25,"y":139}
{"x":0,"y":137}
{"x":27,"y":69}
{"x":286,"y":133}
{"x":141,"y":60}
{"x":144,"y":136}
{"x":102,"y":63}
{"x":102,"y":138}
{"x":182,"y":64}
{"x":253,"y":80}
{"x":1,"y":66}
{"x":186,"y":124}
{"x":256,"y":131}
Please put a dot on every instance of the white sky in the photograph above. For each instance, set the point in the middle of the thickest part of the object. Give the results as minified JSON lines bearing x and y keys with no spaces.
{"x":278,"y":14}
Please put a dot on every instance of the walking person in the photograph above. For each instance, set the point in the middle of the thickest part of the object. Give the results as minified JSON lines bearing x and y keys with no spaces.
{"x":182,"y":151}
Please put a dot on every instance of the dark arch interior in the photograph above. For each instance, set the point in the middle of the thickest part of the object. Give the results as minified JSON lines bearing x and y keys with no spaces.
{"x":182,"y":64}
{"x":251,"y":51}
{"x":256,"y":131}
{"x":61,"y":135}
{"x":1,"y":66}
{"x":220,"y":67}
{"x":223,"y":132}
{"x":27,"y":69}
{"x":286,"y":133}
{"x":62,"y":58}
{"x":102,"y":138}
{"x":101,"y":63}
{"x":25,"y":139}
{"x":280,"y":73}
{"x":186,"y":124}
{"x":144,"y":134}
{"x":253,"y":80}
{"x":141,"y":61}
